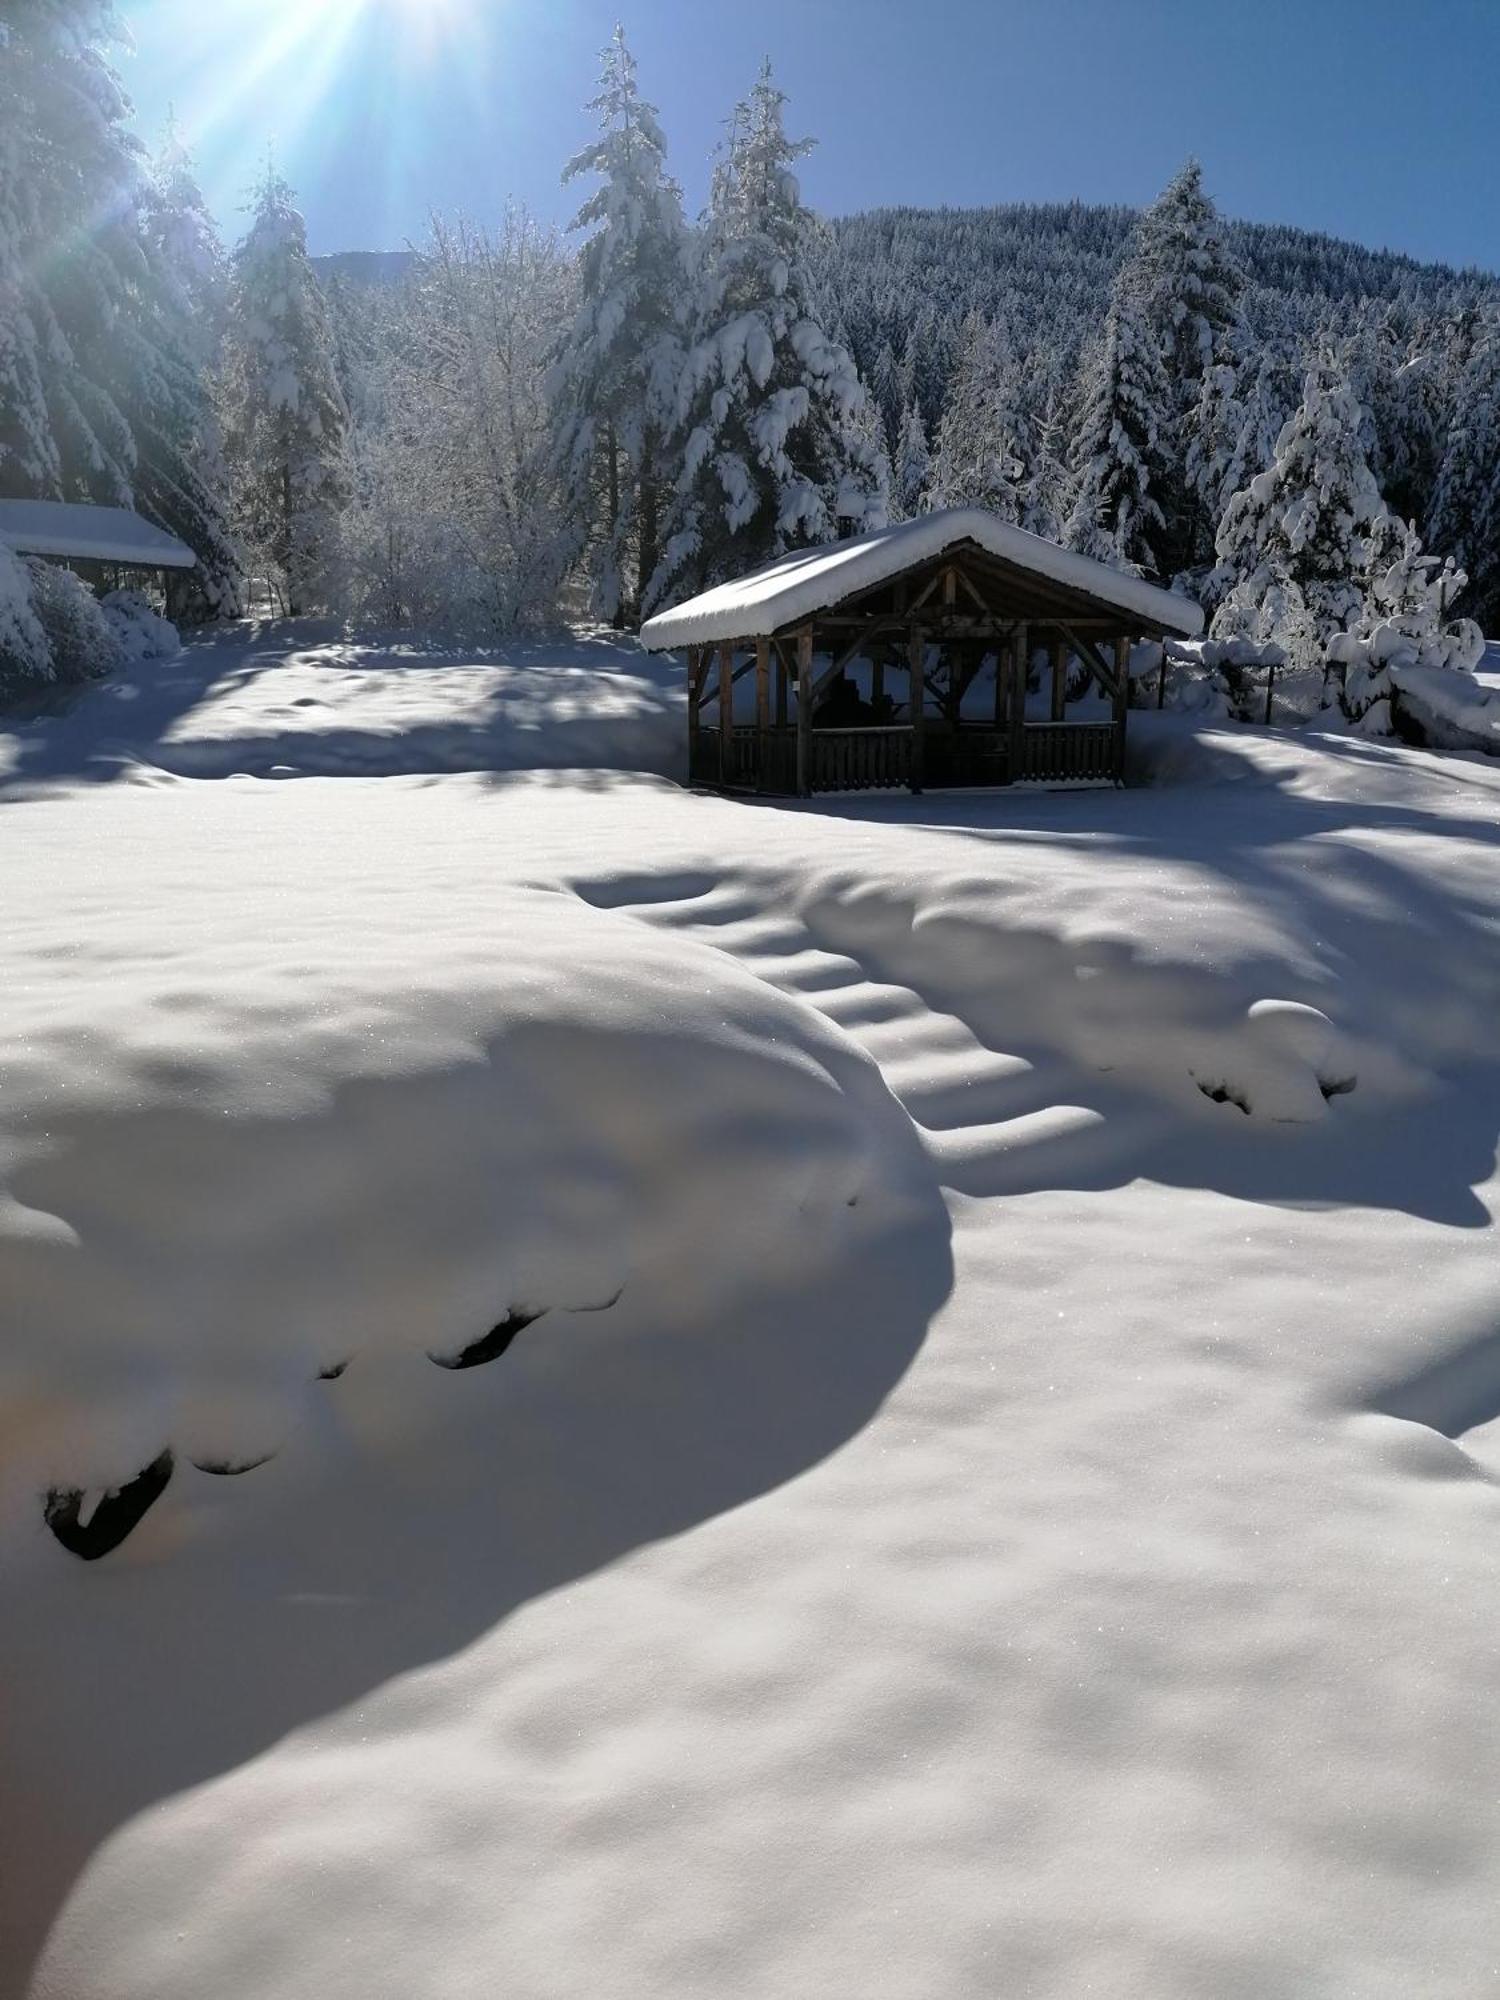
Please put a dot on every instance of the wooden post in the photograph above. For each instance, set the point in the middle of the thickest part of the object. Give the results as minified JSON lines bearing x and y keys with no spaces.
{"x":916,"y":666}
{"x":804,"y":713}
{"x":1270,"y":684}
{"x":695,"y":695}
{"x":726,"y":715}
{"x":1002,"y":685}
{"x":1020,"y":659}
{"x":762,"y":710}
{"x":1122,"y":699}
{"x":780,"y":688}
{"x":1161,"y":678}
{"x":1059,"y":680}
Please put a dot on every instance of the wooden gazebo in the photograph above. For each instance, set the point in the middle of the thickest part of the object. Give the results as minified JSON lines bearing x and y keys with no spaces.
{"x":955,"y":649}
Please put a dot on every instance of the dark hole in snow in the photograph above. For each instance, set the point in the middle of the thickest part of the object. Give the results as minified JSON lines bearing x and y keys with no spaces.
{"x":229,"y":1468}
{"x":489,"y":1346}
{"x":115,"y":1516}
{"x":333,"y":1372}
{"x":1220,"y":1093}
{"x":1338,"y":1086}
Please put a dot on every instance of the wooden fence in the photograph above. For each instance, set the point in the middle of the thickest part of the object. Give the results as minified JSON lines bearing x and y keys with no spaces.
{"x":881,"y":759}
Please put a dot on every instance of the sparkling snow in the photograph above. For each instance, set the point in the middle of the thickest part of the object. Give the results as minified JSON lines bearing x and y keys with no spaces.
{"x":1004,"y":1494}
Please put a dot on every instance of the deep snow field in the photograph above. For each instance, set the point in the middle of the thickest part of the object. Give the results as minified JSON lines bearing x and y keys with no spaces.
{"x":997,"y":1492}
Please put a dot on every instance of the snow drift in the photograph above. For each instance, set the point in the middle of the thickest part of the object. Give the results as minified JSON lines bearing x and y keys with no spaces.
{"x":226,"y":1171}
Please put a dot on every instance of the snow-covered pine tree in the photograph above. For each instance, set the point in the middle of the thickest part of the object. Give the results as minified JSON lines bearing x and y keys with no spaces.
{"x":1191,"y":285}
{"x":615,"y":381}
{"x":768,"y":402}
{"x":286,"y":418}
{"x":101,"y":381}
{"x":979,"y":460}
{"x":1047,"y":492}
{"x":912,"y":470}
{"x":69,"y":173}
{"x":1296,"y":543}
{"x":1465,"y":518}
{"x":182,"y":477}
{"x":1406,"y":623}
{"x":1115,"y":516}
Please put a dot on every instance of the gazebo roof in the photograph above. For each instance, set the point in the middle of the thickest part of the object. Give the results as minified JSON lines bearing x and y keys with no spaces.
{"x":813,"y":580}
{"x":90,"y":534}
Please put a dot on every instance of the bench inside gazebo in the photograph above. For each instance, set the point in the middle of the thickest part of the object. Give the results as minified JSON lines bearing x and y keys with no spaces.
{"x":955,"y":649}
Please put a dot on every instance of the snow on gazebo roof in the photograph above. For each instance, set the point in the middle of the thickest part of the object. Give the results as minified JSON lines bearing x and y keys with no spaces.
{"x":813,"y":580}
{"x":90,"y":534}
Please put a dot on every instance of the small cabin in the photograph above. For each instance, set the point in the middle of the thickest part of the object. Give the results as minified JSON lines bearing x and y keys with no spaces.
{"x":955,"y":649}
{"x":99,"y":541}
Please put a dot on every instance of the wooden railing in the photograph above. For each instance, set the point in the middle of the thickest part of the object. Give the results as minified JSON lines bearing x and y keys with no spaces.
{"x":861,"y":760}
{"x":1083,"y":752}
{"x":858,"y":760}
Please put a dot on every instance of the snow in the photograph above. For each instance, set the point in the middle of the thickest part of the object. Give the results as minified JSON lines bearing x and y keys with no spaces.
{"x":86,"y":533}
{"x":813,"y":579}
{"x":1460,"y":711}
{"x":1067,"y":1568}
{"x":294,"y":702}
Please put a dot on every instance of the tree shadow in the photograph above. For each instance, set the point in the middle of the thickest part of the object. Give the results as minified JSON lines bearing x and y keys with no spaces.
{"x":294,"y":699}
{"x":374,"y":1545}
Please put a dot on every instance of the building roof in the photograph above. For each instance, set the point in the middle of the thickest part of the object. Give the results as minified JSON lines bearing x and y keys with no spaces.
{"x":90,"y":534}
{"x":797,"y":586}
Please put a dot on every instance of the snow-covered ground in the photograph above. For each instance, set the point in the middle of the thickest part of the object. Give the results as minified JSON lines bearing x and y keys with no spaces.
{"x":1001,"y":1494}
{"x":291,"y":701}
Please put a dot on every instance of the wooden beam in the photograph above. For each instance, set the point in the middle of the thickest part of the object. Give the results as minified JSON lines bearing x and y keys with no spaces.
{"x":837,"y":666}
{"x":968,"y":584}
{"x":804,"y":713}
{"x":1122,"y":700}
{"x":1092,"y":658}
{"x":1019,"y":661}
{"x":726,"y":715}
{"x":762,"y":709}
{"x":695,"y":691}
{"x":916,"y":664}
{"x":1059,"y":680}
{"x":782,"y":674}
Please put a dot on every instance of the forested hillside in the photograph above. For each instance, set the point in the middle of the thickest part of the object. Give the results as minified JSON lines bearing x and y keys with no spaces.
{"x":507,"y":424}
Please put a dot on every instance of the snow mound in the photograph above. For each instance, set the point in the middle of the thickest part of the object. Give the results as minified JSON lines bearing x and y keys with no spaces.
{"x":140,"y":632}
{"x":1165,"y":1028}
{"x":230,"y":1168}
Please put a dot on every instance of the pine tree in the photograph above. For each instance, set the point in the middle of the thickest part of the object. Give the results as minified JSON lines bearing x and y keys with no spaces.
{"x":69,"y":174}
{"x":1465,"y":515}
{"x":1047,"y":494}
{"x":769,"y":402}
{"x":979,"y":457}
{"x":182,"y":478}
{"x":287,"y":423}
{"x":1115,"y":516}
{"x":1296,"y":543}
{"x":912,"y":470}
{"x":617,"y":372}
{"x":1191,"y":286}
{"x":1405,"y":622}
{"x":101,"y":380}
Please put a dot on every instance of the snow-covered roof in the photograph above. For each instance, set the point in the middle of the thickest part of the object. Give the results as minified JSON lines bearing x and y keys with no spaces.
{"x":90,"y":534}
{"x":796,"y":586}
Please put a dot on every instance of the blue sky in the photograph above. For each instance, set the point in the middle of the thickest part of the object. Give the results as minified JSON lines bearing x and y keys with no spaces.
{"x":1374,"y":121}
